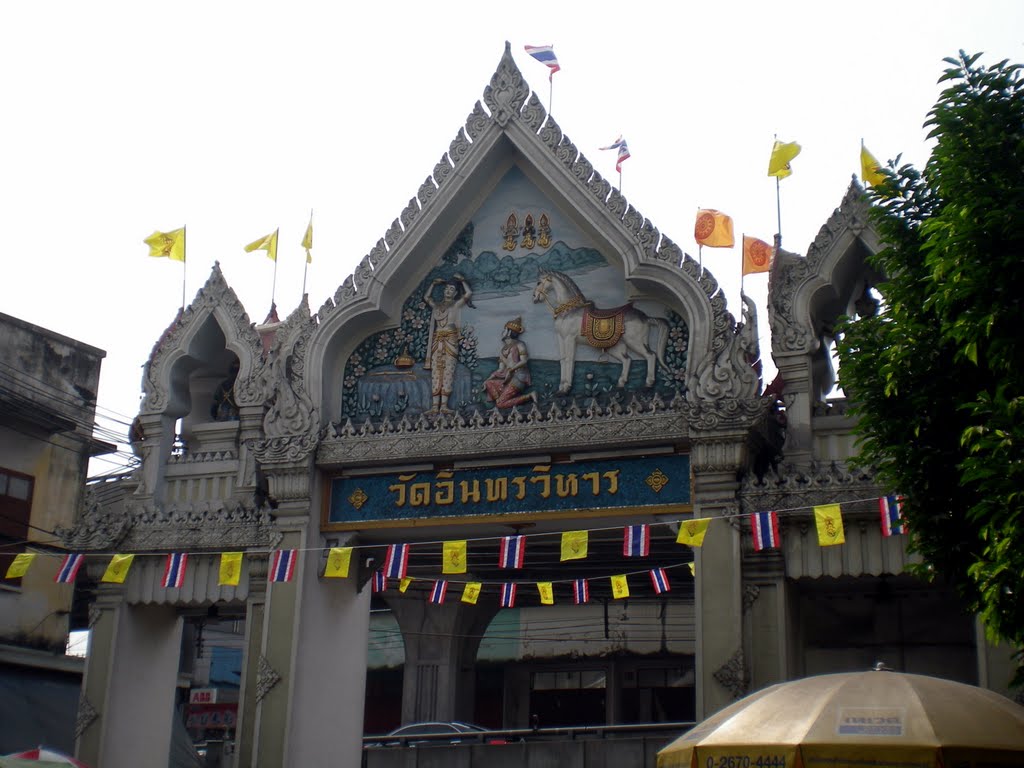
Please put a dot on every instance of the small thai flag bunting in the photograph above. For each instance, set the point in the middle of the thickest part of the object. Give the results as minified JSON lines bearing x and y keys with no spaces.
{"x":637,"y":541}
{"x":397,"y":561}
{"x":438,"y":592}
{"x":891,"y":508}
{"x":508,"y":595}
{"x":619,"y":144}
{"x":513,"y":550}
{"x":545,"y":54}
{"x":765,"y":527}
{"x":581,"y":591}
{"x":69,"y":569}
{"x":174,"y":570}
{"x":660,"y":581}
{"x":380,"y":582}
{"x":282,"y":565}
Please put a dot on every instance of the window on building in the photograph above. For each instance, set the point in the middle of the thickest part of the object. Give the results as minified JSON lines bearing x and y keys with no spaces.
{"x":562,"y":697}
{"x":15,"y":512}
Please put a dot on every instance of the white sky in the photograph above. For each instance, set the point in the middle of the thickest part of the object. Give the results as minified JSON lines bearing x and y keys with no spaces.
{"x":236,"y":118}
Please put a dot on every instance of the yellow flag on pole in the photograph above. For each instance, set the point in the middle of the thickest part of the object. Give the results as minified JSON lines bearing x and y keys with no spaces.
{"x":757,"y":255}
{"x":117,"y":570}
{"x":471,"y":592}
{"x":620,"y":586}
{"x":19,"y":566}
{"x":782,"y":153}
{"x":574,"y":545}
{"x":870,"y":171}
{"x":338,"y":561}
{"x":547,"y":592}
{"x":713,"y":229}
{"x":307,"y":239}
{"x":230,"y":571}
{"x":453,"y":557}
{"x":267,"y":243}
{"x":170,"y":245}
{"x":829,"y":520}
{"x":691,"y":532}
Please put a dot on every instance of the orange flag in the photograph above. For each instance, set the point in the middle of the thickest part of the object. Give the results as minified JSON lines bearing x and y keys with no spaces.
{"x":757,"y":255}
{"x":713,"y":229}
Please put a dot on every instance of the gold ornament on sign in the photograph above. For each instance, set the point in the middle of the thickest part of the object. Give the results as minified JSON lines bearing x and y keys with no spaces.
{"x":657,"y":480}
{"x":358,"y":498}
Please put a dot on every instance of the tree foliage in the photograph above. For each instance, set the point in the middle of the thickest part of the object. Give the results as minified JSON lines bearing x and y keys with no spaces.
{"x":938,"y":372}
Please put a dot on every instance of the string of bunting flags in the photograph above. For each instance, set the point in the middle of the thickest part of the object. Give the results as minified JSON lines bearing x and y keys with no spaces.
{"x":574,"y":545}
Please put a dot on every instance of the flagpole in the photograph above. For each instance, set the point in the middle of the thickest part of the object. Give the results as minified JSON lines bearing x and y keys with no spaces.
{"x":273,"y":287}
{"x":778,"y":205}
{"x":700,"y":256}
{"x":743,"y":247}
{"x":184,"y":262}
{"x":305,"y":268}
{"x":551,"y":90}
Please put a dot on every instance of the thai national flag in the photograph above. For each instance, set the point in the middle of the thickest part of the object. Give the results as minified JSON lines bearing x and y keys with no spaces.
{"x":174,"y":571}
{"x":282,"y":565}
{"x":545,"y":54}
{"x":619,"y":144}
{"x":765,"y":527}
{"x":513,"y":550}
{"x":581,"y":591}
{"x":380,"y":582}
{"x":891,"y":508}
{"x":660,"y":581}
{"x":637,"y":541}
{"x":397,"y":561}
{"x":508,"y":595}
{"x":69,"y":569}
{"x":438,"y":592}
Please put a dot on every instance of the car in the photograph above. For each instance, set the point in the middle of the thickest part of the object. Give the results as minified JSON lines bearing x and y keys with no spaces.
{"x":410,"y":735}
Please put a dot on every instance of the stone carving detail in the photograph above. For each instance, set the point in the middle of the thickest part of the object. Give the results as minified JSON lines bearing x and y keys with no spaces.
{"x":533,"y":114}
{"x":457,"y":149}
{"x":346,"y":291}
{"x":379,"y":253}
{"x":96,"y":527}
{"x":707,"y":415}
{"x":394,"y":233}
{"x":599,"y":186}
{"x":733,"y":675}
{"x":851,"y":215}
{"x":582,"y":169}
{"x":791,"y":487}
{"x":566,"y":152}
{"x":551,"y":134}
{"x":507,"y":91}
{"x":669,"y":251}
{"x":87,"y":715}
{"x":750,"y":594}
{"x":729,"y":374}
{"x":633,"y":221}
{"x":214,"y":296}
{"x":410,"y":214}
{"x":442,"y":171}
{"x":649,"y":237}
{"x":476,"y":122}
{"x":266,"y":678}
{"x":95,"y":614}
{"x":426,"y":191}
{"x":203,"y":524}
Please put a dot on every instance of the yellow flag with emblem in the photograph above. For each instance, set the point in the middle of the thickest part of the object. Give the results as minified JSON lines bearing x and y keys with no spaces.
{"x":307,"y":239}
{"x":828,"y":519}
{"x":339,"y":559}
{"x":574,"y":545}
{"x":169,"y":245}
{"x":691,"y":532}
{"x":471,"y":592}
{"x":19,"y":566}
{"x":266,"y":243}
{"x":620,"y":586}
{"x":782,"y":153}
{"x":117,"y":569}
{"x":453,"y":557}
{"x":870,"y":168}
{"x":547,"y":592}
{"x":230,"y":569}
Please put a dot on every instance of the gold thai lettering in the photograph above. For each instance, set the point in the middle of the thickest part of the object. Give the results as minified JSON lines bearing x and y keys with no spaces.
{"x":470,"y":491}
{"x":497,"y":488}
{"x":613,"y":480}
{"x":566,"y":485}
{"x":401,"y":489}
{"x":595,"y":482}
{"x":419,"y":494}
{"x":520,"y":486}
{"x":543,"y":480}
{"x":444,"y":489}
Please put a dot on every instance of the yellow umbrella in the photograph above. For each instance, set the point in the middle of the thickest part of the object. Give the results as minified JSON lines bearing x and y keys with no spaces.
{"x":857,"y":720}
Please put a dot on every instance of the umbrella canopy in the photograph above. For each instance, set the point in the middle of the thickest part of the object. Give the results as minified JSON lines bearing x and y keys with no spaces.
{"x":41,"y":757}
{"x":854,"y":720}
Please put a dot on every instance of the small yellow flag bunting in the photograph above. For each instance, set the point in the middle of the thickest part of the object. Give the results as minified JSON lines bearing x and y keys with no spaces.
{"x":454,"y":557}
{"x":338,"y":561}
{"x":691,"y":532}
{"x":574,"y":545}
{"x":547,"y":592}
{"x":403,"y":584}
{"x":117,"y":570}
{"x":19,"y":566}
{"x":230,"y":569}
{"x":829,"y":521}
{"x":471,"y":592}
{"x":620,"y":586}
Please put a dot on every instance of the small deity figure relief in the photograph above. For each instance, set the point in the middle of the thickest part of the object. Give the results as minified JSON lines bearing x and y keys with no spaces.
{"x":506,"y":385}
{"x":544,"y":232}
{"x":529,"y":233}
{"x":443,"y":344}
{"x":510,"y":232}
{"x":224,"y":407}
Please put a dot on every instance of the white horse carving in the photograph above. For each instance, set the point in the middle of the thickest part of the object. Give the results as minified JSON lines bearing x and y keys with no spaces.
{"x":618,"y":332}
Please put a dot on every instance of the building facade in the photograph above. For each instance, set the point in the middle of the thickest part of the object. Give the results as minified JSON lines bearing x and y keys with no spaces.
{"x":522,"y":362}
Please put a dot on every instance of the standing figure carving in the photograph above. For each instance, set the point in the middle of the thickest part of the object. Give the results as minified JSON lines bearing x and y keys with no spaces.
{"x":618,"y":332}
{"x":443,"y":344}
{"x":506,"y":386}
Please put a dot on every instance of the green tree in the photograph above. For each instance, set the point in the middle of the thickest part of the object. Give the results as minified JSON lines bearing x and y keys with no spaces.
{"x":938,"y":371}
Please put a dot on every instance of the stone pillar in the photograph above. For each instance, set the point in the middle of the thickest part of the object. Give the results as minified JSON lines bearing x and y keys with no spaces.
{"x":127,"y":707}
{"x":441,"y":642}
{"x":249,"y":695}
{"x":797,"y":397}
{"x":766,"y":619}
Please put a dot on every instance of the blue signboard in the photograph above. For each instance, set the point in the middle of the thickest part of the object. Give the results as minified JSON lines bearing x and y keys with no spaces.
{"x":655,"y":484}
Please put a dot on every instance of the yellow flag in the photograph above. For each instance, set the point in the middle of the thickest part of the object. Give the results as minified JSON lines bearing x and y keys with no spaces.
{"x":757,"y":255}
{"x":869,"y":167}
{"x":169,"y":245}
{"x":230,"y":569}
{"x":19,"y":566}
{"x":471,"y":592}
{"x":782,"y":153}
{"x":338,"y":561}
{"x":693,"y":568}
{"x":574,"y":545}
{"x":620,"y":587}
{"x":547,"y":592}
{"x":829,"y":521}
{"x":117,"y":571}
{"x":403,"y":583}
{"x":267,"y":243}
{"x":307,"y":239}
{"x":713,"y":229}
{"x":691,"y":532}
{"x":454,"y":557}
